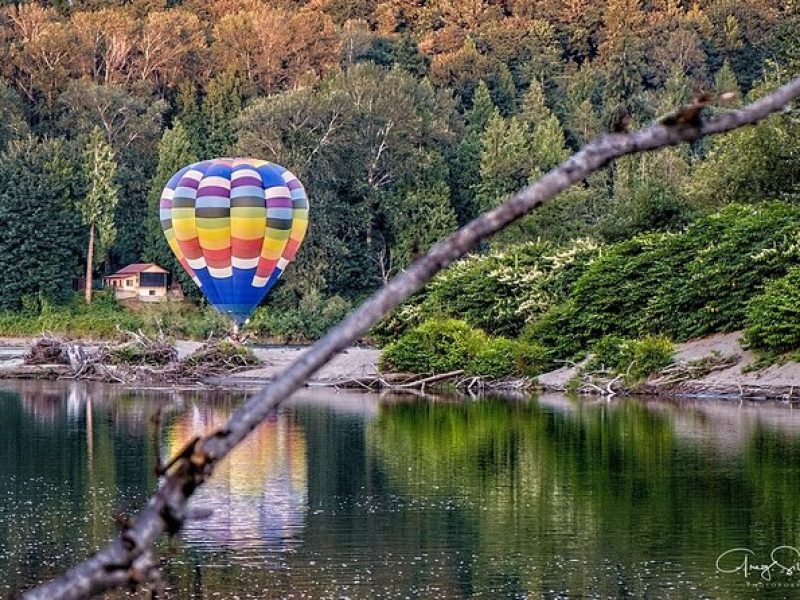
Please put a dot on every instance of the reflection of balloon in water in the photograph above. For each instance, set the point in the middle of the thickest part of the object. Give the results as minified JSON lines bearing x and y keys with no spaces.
{"x":259,"y":494}
{"x":234,"y":224}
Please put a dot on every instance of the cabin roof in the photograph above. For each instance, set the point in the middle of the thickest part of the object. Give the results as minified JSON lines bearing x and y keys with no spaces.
{"x":134,"y":268}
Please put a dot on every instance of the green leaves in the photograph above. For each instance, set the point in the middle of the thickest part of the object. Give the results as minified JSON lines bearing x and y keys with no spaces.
{"x":684,"y":285}
{"x":443,"y":345}
{"x":42,"y":240}
{"x":174,"y":152}
{"x":97,"y":206}
{"x":773,"y":318}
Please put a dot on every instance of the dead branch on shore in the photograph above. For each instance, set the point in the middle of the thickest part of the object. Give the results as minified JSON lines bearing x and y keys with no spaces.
{"x":405,"y":382}
{"x":749,"y":392}
{"x":126,"y":561}
{"x":46,"y":351}
{"x":142,"y":360}
{"x":143,"y":350}
{"x":687,"y":370}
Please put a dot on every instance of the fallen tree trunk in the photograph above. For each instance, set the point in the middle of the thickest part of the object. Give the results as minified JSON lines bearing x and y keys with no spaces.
{"x":128,"y":560}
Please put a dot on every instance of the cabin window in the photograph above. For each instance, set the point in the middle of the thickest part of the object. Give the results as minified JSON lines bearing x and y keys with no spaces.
{"x":155,"y":280}
{"x":152,"y":292}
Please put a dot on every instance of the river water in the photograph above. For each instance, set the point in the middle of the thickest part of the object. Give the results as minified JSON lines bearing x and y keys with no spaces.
{"x":348,"y":495}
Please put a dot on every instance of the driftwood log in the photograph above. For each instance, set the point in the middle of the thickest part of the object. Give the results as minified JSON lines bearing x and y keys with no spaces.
{"x":129,"y":559}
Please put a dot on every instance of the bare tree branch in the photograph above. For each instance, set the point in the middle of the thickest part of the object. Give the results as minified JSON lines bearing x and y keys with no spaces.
{"x":128,"y":560}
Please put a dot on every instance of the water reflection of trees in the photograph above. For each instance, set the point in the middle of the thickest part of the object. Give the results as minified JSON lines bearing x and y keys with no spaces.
{"x":443,"y":499}
{"x":593,"y":497}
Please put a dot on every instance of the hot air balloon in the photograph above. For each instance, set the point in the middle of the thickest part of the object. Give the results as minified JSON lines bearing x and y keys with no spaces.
{"x":234,"y":224}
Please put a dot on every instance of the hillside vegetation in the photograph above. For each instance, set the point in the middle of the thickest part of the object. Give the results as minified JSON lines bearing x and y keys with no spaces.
{"x":404,"y":120}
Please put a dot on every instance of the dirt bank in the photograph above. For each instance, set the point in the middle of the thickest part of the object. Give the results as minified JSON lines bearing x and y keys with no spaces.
{"x":740,"y":380}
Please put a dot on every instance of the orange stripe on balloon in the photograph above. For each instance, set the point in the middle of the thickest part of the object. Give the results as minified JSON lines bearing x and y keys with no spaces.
{"x":191,"y":248}
{"x":265,"y":267}
{"x":291,"y":249}
{"x":246,"y":248}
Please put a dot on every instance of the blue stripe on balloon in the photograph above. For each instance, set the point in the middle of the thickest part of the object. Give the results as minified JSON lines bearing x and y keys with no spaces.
{"x":208,"y":286}
{"x":279,"y":213}
{"x":270,"y":176}
{"x":219,"y":169}
{"x":212,"y":202}
{"x":246,"y":191}
{"x":173,"y":181}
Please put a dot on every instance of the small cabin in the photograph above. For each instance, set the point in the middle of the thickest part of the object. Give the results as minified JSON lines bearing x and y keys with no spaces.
{"x":142,"y":281}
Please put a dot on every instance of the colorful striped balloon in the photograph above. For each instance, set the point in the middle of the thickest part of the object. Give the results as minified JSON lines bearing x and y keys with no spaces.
{"x":234,"y":224}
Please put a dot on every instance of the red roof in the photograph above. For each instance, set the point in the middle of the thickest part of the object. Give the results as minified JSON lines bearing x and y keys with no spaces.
{"x":133,"y":268}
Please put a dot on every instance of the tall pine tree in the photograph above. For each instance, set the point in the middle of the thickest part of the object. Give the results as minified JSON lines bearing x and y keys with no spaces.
{"x":466,"y":164}
{"x":97,"y":206}
{"x":547,"y":139}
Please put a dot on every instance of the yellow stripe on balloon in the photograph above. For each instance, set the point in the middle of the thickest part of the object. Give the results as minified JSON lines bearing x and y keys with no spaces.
{"x":214,"y":239}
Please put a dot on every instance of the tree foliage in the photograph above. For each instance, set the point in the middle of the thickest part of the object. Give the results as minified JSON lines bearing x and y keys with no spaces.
{"x":401,"y":118}
{"x":174,"y":152}
{"x":42,"y":243}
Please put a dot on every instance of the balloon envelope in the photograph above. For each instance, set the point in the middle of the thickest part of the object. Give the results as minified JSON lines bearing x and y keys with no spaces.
{"x":234,"y":224}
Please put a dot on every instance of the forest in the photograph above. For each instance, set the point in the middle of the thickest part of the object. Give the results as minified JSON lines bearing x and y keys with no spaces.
{"x":405,"y":120}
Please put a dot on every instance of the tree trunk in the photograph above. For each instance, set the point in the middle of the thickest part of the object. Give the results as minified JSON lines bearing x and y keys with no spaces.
{"x":89,"y":265}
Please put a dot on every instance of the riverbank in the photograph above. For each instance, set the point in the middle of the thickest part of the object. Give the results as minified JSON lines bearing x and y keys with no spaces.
{"x":352,"y":364}
{"x":729,"y":371}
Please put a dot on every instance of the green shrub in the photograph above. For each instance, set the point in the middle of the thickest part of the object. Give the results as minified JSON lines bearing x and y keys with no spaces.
{"x":639,"y":359}
{"x":442,"y":345}
{"x":101,"y":319}
{"x":501,"y":357}
{"x":558,"y":331}
{"x":607,"y":353}
{"x":495,"y":359}
{"x":645,"y":206}
{"x":436,"y":346}
{"x":636,"y":359}
{"x":498,"y":292}
{"x":682,"y":285}
{"x":530,"y":359}
{"x":773,"y":318}
{"x":310,"y":320}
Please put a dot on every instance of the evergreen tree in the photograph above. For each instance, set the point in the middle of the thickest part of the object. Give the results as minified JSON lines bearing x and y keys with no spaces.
{"x":547,"y":139}
{"x":41,"y":241}
{"x":99,"y":202}
{"x":483,"y":109}
{"x":505,"y":161}
{"x":725,"y":80}
{"x":504,"y":93}
{"x":12,"y":116}
{"x":174,"y":152}
{"x":677,"y":92}
{"x":224,"y":100}
{"x":584,"y":124}
{"x":622,"y":53}
{"x":422,"y":219}
{"x":191,"y":116}
{"x":465,"y":166}
{"x":406,"y":54}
